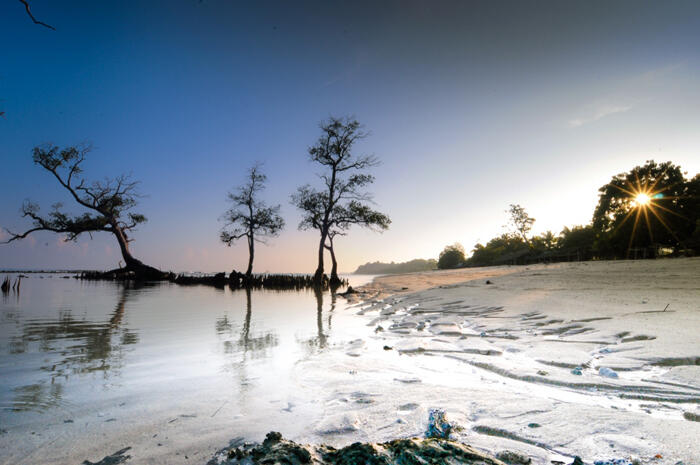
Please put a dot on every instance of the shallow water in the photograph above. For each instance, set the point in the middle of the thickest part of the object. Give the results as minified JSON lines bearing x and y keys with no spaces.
{"x":94,"y":359}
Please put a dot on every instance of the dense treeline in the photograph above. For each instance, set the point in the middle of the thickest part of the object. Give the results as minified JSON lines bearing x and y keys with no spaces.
{"x":650,"y":211}
{"x":419,"y":264}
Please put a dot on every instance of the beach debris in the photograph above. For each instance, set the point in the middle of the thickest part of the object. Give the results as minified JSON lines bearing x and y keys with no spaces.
{"x":488,"y":282}
{"x":114,"y":459}
{"x":542,"y":372}
{"x":513,"y":458}
{"x":378,"y":329}
{"x":388,"y":347}
{"x":607,"y":372}
{"x":533,"y":425}
{"x":438,"y":426}
{"x":691,"y":416}
{"x":578,"y":371}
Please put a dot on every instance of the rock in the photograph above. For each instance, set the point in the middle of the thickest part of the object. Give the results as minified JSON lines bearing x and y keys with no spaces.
{"x":577,"y":371}
{"x":607,"y":372}
{"x":533,"y":425}
{"x":488,"y":282}
{"x":114,"y":459}
{"x":577,"y":461}
{"x":276,"y":450}
{"x":513,"y":458}
{"x":388,"y":347}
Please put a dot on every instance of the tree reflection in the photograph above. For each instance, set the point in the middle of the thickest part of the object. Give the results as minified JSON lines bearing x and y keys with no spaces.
{"x":77,"y":346}
{"x":247,"y":343}
{"x":320,"y":340}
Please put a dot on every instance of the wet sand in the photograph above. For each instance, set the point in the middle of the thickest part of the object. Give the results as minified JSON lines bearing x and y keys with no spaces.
{"x":504,"y":360}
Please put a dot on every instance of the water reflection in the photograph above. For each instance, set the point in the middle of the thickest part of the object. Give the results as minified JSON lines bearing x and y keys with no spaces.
{"x":77,"y":346}
{"x":320,"y":340}
{"x":246,"y":344}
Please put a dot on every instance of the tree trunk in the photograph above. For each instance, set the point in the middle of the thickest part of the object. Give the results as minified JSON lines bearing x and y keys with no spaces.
{"x":251,"y":254}
{"x":334,"y":268}
{"x":131,"y":262}
{"x":318,"y":275}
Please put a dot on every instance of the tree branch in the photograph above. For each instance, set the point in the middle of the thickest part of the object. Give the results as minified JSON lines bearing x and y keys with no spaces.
{"x":36,"y":21}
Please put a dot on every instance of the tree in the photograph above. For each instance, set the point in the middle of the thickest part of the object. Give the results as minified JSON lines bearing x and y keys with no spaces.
{"x":341,"y":202}
{"x":642,"y":208}
{"x":451,"y":256}
{"x":343,"y":217}
{"x":250,"y":217}
{"x":520,"y":221}
{"x":108,"y":203}
{"x":506,"y":248}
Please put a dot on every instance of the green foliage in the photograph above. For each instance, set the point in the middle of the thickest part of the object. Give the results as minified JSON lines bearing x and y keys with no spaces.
{"x":505,"y":248}
{"x":411,"y":266}
{"x":451,"y":256}
{"x":520,"y":222}
{"x":577,"y":238}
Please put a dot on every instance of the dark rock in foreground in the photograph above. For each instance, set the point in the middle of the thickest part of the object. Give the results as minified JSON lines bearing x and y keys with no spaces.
{"x":415,"y":451}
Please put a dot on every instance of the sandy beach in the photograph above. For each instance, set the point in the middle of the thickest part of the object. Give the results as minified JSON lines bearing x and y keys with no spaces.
{"x":596,"y":359}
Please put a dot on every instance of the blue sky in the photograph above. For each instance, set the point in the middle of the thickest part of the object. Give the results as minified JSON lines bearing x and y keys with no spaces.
{"x":471,"y":106}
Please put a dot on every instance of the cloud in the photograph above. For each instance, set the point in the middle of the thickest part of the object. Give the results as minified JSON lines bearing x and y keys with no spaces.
{"x":596,"y":111}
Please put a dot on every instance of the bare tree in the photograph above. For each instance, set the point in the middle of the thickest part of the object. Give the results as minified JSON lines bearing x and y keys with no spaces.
{"x":520,"y":221}
{"x":250,"y":217}
{"x":108,"y":203}
{"x":342,"y":202}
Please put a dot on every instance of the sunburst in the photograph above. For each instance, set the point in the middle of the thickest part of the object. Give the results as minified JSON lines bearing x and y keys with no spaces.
{"x":643,"y":200}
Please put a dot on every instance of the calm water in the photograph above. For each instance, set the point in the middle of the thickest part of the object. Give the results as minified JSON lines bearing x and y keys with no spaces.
{"x":84,"y":365}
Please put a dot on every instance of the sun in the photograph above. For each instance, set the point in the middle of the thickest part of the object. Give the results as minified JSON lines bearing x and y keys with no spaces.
{"x":642,"y":199}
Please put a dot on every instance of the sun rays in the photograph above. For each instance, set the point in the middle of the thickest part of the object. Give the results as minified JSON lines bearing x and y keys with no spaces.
{"x":644,"y":202}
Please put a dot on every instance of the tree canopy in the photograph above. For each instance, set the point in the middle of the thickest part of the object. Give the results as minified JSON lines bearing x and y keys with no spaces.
{"x":642,"y":208}
{"x":451,"y":256}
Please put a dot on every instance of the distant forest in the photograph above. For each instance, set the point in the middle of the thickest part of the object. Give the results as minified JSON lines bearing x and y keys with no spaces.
{"x":418,"y":264}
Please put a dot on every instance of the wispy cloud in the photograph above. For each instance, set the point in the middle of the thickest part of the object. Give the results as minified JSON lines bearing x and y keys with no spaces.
{"x":596,"y":111}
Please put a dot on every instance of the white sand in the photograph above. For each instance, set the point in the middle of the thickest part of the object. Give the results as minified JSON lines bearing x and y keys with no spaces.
{"x":498,"y":357}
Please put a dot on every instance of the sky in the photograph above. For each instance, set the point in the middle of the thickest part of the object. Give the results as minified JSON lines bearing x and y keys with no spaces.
{"x":471,"y":106}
